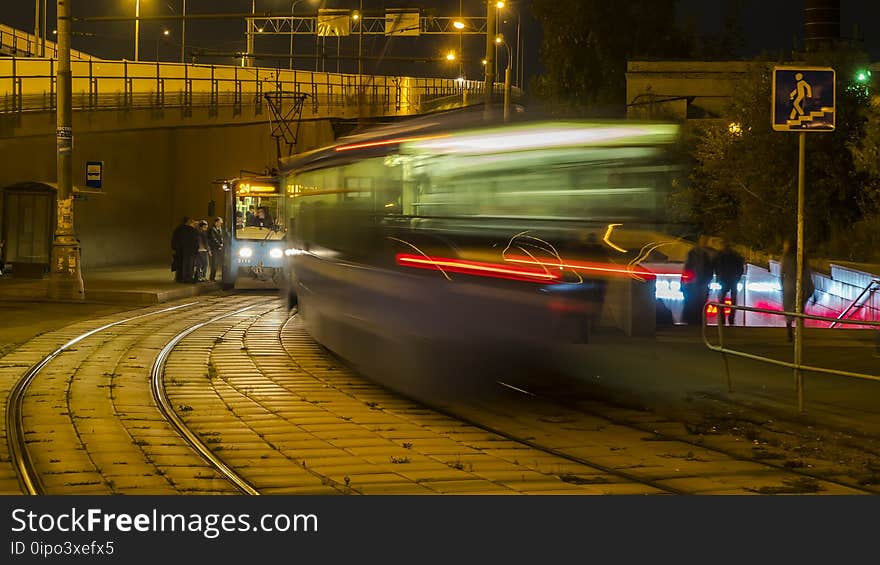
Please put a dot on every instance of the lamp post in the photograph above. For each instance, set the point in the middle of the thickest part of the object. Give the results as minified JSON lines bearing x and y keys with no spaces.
{"x":490,"y":58}
{"x":183,"y":34}
{"x":499,"y":40}
{"x":43,"y":34}
{"x":137,"y":29}
{"x":36,"y":23}
{"x":247,"y":61}
{"x":65,"y":274}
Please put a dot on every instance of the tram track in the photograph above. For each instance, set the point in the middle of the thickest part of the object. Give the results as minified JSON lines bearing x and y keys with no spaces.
{"x":272,"y":412}
{"x":157,"y":379}
{"x":610,"y":413}
{"x":352,"y":443}
{"x":20,"y":456}
{"x":538,"y":406}
{"x":510,"y":436}
{"x":130,"y":425}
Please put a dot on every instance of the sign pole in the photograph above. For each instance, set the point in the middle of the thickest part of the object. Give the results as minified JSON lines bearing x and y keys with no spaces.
{"x":802,"y":99}
{"x":799,"y":285}
{"x":65,"y":274}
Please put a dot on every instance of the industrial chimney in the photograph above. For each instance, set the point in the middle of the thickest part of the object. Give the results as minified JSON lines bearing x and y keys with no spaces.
{"x":821,"y":24}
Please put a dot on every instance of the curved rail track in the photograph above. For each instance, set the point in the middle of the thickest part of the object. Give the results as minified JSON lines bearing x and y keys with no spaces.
{"x":273,"y":412}
{"x":28,"y":477}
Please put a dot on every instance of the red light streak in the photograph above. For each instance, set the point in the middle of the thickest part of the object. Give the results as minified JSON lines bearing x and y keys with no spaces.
{"x":610,"y":269}
{"x":382,"y":142}
{"x":477,"y":268}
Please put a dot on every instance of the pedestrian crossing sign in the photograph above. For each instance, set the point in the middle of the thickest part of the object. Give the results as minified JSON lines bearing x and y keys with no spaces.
{"x":803,"y":99}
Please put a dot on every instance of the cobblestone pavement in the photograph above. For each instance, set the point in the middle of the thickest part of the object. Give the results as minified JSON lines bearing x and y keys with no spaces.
{"x":289,"y":418}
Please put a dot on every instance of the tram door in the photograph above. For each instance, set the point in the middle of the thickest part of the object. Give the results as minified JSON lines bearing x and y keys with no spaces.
{"x":28,"y":222}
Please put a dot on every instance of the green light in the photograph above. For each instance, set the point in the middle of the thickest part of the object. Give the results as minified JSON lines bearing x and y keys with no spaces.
{"x":863,"y":75}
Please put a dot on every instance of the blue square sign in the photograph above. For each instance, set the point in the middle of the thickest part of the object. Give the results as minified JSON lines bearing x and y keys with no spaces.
{"x":803,"y":99}
{"x":94,"y":173}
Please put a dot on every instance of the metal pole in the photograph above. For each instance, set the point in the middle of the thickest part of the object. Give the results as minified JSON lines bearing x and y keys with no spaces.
{"x":65,"y":275}
{"x":460,"y":44}
{"x":45,"y":30}
{"x":799,"y":303}
{"x":183,"y":34}
{"x":361,"y":39}
{"x":292,"y":7}
{"x":518,"y":51}
{"x":137,"y":29}
{"x":507,"y":90}
{"x":490,"y":58}
{"x":36,"y":26}
{"x":250,"y":35}
{"x":360,"y":80}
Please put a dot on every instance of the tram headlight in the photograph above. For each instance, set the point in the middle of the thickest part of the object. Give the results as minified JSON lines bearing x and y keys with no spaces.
{"x":276,"y":253}
{"x":245,"y":252}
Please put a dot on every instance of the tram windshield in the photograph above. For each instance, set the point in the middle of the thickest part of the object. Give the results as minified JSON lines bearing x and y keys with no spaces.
{"x":259,"y":212}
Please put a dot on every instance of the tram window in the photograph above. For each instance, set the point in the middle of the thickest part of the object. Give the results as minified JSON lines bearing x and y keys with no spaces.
{"x":358,"y":187}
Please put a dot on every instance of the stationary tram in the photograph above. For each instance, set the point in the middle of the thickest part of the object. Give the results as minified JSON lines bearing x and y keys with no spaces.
{"x":432,"y":247}
{"x":257,"y":212}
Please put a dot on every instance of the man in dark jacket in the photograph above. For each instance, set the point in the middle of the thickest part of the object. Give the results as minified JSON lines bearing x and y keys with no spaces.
{"x":216,"y":243}
{"x":695,"y":281}
{"x":729,"y":267}
{"x":185,"y":243}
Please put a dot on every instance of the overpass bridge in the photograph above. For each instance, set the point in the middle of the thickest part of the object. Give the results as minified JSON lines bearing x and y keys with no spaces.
{"x":164,"y":132}
{"x":27,"y":86}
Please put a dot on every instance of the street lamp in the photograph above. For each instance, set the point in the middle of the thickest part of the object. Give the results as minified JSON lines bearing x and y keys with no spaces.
{"x":499,"y":40}
{"x":518,"y":51}
{"x":165,"y":33}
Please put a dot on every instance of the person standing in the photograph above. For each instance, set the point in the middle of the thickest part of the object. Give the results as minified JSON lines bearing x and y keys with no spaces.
{"x":189,"y":251}
{"x":729,"y":267}
{"x":217,"y":246}
{"x":695,"y":281}
{"x":788,"y":273}
{"x":178,"y":238}
{"x":204,"y":250}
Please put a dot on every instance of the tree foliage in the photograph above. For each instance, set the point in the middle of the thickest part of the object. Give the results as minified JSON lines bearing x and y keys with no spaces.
{"x":587,"y":43}
{"x":744,"y":179}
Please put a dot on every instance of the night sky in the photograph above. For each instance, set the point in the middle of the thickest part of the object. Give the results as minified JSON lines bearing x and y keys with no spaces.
{"x":771,"y":26}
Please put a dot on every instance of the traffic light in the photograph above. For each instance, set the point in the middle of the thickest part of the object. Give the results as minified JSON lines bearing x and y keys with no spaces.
{"x":863,"y":76}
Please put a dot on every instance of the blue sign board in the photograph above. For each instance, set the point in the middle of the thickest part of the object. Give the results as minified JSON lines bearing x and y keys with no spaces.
{"x":803,"y":99}
{"x":94,"y":174}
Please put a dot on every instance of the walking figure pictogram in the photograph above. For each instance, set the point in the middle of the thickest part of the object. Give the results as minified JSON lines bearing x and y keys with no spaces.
{"x":802,"y":91}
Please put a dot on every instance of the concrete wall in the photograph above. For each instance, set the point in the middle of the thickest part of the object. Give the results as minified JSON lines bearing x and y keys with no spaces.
{"x":152,"y":177}
{"x":681,"y":89}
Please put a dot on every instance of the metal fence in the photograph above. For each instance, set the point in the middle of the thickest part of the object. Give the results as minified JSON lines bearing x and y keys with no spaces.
{"x":725,"y":351}
{"x":29,"y":85}
{"x":20,"y":43}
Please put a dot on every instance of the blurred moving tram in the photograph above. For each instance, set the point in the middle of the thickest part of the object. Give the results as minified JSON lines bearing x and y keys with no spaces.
{"x":432,"y":248}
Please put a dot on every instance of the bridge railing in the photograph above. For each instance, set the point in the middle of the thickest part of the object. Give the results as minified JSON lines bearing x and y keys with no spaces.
{"x":28,"y":85}
{"x":20,"y":43}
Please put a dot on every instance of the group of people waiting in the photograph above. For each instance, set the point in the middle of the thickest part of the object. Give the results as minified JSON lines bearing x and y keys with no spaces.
{"x":728,"y":267}
{"x":194,"y":246}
